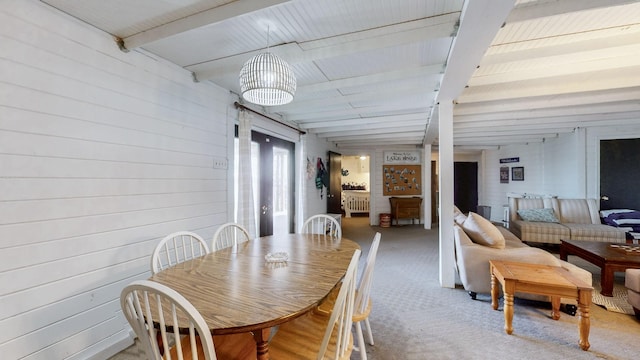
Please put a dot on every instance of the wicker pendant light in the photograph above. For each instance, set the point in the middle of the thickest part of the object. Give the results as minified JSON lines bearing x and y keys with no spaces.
{"x":267,"y":80}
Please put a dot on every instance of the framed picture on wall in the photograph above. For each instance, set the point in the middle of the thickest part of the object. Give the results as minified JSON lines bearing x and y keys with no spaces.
{"x":504,"y":174}
{"x":517,"y":173}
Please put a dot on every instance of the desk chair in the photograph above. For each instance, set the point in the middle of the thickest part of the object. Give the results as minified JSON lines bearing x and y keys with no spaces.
{"x":176,"y":248}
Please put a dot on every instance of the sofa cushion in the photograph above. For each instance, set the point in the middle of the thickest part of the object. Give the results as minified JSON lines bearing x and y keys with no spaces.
{"x":578,"y":211}
{"x":540,"y":215}
{"x":458,"y":216}
{"x":540,"y":231}
{"x":596,"y":232}
{"x":482,"y":231}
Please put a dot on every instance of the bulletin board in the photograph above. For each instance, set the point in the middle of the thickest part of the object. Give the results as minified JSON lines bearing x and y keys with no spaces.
{"x":401,"y":180}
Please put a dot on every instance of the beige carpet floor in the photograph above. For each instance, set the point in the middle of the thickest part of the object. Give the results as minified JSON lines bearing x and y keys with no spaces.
{"x":413,"y":317}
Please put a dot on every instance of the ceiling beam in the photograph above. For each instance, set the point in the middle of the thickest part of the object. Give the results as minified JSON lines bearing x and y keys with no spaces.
{"x":435,"y":27}
{"x":374,"y":111}
{"x":364,"y":130}
{"x":329,"y":131}
{"x":361,"y":145}
{"x":549,"y":101}
{"x":479,"y":24}
{"x":203,"y":18}
{"x":390,"y":93}
{"x":358,"y":121}
{"x":425,"y":71}
{"x":398,"y":135}
{"x":630,"y":118}
{"x":620,"y":37}
{"x":540,"y":9}
{"x":583,"y":66}
{"x":608,"y":108}
{"x":601,"y":80}
{"x":480,"y":21}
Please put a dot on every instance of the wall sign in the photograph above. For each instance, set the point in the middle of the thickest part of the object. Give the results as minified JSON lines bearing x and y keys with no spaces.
{"x":509,"y":160}
{"x":401,"y":157}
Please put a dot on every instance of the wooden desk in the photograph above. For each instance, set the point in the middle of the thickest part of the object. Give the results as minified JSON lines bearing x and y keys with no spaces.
{"x":552,"y":281}
{"x":237,"y":291}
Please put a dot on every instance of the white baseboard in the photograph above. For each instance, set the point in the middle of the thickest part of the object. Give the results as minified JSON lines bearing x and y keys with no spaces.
{"x":120,"y":343}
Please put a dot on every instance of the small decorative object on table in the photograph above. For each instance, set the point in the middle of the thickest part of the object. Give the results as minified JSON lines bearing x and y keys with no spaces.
{"x":277,"y":257}
{"x":627,"y":248}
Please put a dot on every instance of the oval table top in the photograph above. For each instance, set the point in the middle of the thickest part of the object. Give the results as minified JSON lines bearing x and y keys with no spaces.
{"x":237,"y":290}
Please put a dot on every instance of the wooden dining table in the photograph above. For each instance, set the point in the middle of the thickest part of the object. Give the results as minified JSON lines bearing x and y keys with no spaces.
{"x":237,"y":290}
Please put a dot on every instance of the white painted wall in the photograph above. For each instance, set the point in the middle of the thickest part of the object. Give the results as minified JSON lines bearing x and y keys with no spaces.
{"x":567,"y":166}
{"x":316,"y":200}
{"x":564,"y":166}
{"x":380,"y":203}
{"x":102,"y":153}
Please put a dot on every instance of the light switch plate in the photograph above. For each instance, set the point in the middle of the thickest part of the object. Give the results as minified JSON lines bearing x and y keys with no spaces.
{"x":220,"y":163}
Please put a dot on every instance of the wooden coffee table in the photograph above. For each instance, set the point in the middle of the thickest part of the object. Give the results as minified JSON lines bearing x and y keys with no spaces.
{"x":553,"y":281}
{"x":601,"y":254}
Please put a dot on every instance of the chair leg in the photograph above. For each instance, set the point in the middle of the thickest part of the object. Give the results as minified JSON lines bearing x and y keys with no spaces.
{"x":361,"y":347}
{"x":366,"y":323}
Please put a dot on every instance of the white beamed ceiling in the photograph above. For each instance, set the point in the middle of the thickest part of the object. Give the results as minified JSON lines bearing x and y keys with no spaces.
{"x":370,"y":72}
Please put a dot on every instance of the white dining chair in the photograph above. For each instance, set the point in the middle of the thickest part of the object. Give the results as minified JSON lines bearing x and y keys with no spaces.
{"x":139,"y":300}
{"x":322,"y":224}
{"x":314,"y":336}
{"x":229,"y":234}
{"x":363,"y":302}
{"x":176,"y":248}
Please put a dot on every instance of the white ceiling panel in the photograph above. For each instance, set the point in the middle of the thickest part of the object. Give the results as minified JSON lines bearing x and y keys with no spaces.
{"x":366,"y":69}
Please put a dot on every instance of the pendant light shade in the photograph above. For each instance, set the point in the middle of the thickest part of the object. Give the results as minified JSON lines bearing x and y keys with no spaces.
{"x":267,"y":80}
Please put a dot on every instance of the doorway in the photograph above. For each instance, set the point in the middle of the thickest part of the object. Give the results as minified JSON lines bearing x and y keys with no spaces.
{"x":619,"y":174}
{"x":465,"y":186}
{"x":334,"y":190}
{"x":272,"y":172}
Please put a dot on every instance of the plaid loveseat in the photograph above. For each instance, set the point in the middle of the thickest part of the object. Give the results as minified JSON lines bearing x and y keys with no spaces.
{"x":571,"y":219}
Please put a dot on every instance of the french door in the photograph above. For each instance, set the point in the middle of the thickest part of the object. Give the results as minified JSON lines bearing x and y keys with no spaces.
{"x":272,"y":168}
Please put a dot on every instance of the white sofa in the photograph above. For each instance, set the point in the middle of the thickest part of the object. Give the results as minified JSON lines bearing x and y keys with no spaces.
{"x":573,"y":219}
{"x":472,"y":260}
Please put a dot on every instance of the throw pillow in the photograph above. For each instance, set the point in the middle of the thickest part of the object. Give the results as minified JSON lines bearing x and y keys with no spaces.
{"x":539,"y":215}
{"x":458,"y":216}
{"x":482,"y":231}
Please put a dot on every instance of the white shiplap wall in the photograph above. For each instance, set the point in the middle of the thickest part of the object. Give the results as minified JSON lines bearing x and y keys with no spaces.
{"x":567,"y":166}
{"x":379,"y":203}
{"x":314,"y":148}
{"x":102,"y":153}
{"x":495,"y":193}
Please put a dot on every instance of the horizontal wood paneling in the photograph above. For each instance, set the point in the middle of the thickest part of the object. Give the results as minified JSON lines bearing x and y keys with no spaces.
{"x":102,"y":153}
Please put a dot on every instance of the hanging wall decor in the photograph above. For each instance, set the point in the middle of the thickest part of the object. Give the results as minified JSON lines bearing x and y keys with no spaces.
{"x":517,"y":173}
{"x":401,"y":173}
{"x":504,"y":174}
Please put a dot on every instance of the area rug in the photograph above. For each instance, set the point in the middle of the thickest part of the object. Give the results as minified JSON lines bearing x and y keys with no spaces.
{"x":616,"y":303}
